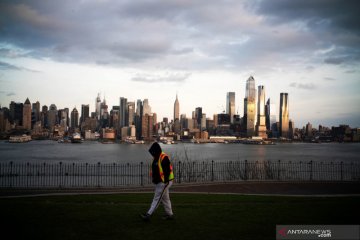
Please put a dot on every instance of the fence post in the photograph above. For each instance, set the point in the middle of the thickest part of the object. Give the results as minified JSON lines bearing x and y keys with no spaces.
{"x":27,"y":175}
{"x":311,"y":170}
{"x":10,"y":175}
{"x":212,"y":170}
{"x":44,"y":176}
{"x":279,"y":164}
{"x":73,"y":176}
{"x":179,"y":167}
{"x":86,"y":175}
{"x":341,"y":171}
{"x":141,"y":174}
{"x":98,"y":175}
{"x":245,"y":176}
{"x":60,"y":173}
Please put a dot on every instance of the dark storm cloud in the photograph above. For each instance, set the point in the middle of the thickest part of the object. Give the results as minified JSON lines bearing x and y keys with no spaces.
{"x":182,"y":33}
{"x":331,"y":22}
{"x":335,"y":13}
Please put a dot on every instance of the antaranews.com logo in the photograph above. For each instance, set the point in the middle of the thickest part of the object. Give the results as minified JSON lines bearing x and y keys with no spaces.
{"x":337,"y":232}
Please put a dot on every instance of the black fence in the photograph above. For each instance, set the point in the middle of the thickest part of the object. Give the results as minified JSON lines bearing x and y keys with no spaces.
{"x":84,"y":175}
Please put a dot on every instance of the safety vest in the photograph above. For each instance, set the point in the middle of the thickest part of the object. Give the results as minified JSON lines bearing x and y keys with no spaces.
{"x":161,"y":172}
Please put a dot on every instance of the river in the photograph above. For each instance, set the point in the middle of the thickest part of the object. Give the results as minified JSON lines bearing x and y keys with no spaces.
{"x":93,"y":152}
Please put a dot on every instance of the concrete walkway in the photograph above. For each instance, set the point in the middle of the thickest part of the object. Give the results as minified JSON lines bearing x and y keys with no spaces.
{"x":247,"y":188}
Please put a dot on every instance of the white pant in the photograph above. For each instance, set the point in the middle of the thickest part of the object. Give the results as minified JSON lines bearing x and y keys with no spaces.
{"x":161,"y":195}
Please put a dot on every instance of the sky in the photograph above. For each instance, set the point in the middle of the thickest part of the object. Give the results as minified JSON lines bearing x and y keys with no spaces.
{"x":66,"y":52}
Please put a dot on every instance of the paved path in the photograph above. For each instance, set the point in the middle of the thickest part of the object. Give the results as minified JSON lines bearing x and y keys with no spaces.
{"x":256,"y":188}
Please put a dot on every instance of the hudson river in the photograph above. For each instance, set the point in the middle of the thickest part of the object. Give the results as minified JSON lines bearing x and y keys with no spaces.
{"x":93,"y":152}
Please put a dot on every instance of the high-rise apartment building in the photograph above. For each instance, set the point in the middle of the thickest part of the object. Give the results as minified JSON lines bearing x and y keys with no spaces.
{"x":284,"y":115}
{"x":250,"y":106}
{"x":176,"y":109}
{"x":230,"y":105}
{"x":261,"y":123}
{"x":74,"y":118}
{"x":27,"y":115}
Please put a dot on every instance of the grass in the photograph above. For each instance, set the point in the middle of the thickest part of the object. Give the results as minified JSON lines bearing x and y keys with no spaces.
{"x":197,"y":216}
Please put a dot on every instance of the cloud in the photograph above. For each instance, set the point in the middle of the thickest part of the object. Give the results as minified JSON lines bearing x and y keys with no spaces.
{"x":334,"y":60}
{"x":8,"y":66}
{"x":318,"y":13}
{"x":329,"y":79}
{"x":168,"y":77}
{"x":307,"y":86}
{"x":183,"y":34}
{"x":350,"y":71}
{"x":8,"y":94}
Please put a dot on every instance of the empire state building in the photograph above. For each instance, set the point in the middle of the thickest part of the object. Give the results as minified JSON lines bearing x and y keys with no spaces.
{"x":176,"y":109}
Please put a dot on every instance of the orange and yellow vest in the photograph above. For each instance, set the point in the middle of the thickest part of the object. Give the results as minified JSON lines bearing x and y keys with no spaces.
{"x":171,"y":175}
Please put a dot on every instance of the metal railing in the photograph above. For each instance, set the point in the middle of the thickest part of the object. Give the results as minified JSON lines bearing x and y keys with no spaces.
{"x":84,"y":175}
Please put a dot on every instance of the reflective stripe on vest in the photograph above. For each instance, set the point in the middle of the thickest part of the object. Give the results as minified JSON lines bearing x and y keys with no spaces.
{"x":161,"y":172}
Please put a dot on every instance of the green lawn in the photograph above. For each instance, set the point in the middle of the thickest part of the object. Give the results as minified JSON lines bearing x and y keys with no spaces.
{"x":197,"y":216}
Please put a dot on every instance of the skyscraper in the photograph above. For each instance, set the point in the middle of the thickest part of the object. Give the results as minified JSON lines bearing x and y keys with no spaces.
{"x":284,"y":115}
{"x":35,"y":112}
{"x":104,"y":115}
{"x":16,"y":113}
{"x":27,"y":115}
{"x":147,"y":127}
{"x":230,"y":105}
{"x":260,"y":125}
{"x":131,"y":113}
{"x":98,"y":107}
{"x":74,"y":118}
{"x":52,"y":117}
{"x":176,"y":109}
{"x":146,"y":107}
{"x":250,"y":106}
{"x":85,"y":110}
{"x":138,"y":118}
{"x":44,"y":116}
{"x":198,"y":117}
{"x":123,"y":112}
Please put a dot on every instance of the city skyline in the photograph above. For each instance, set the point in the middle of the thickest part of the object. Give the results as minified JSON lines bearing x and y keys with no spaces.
{"x":65,"y":53}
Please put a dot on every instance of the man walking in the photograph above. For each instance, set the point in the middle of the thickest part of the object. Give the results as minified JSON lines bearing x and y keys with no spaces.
{"x":162,"y":177}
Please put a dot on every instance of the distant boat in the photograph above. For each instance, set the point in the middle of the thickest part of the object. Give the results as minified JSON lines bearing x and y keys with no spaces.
{"x":76,"y":138}
{"x":20,"y":139}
